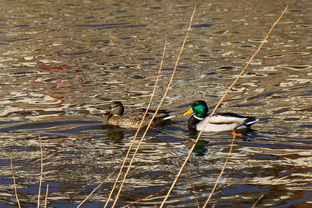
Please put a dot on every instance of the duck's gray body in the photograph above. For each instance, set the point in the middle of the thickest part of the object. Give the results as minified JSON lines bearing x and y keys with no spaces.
{"x":224,"y":122}
{"x":201,"y":121}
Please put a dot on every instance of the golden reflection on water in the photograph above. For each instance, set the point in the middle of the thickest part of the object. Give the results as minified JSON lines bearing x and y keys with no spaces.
{"x":63,"y":63}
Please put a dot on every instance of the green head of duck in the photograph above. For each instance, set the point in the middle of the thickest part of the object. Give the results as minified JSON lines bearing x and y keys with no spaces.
{"x":199,"y":108}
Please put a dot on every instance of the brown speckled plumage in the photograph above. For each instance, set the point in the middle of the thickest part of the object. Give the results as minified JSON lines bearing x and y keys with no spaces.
{"x":116,"y":116}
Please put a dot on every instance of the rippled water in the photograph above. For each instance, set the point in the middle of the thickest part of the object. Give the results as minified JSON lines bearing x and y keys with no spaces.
{"x":63,"y":62}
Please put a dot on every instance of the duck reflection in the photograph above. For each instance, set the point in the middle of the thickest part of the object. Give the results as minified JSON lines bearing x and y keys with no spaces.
{"x":114,"y":133}
{"x":202,"y":145}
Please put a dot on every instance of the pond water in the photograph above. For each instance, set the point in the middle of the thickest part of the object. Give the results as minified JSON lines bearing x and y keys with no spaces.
{"x":63,"y":62}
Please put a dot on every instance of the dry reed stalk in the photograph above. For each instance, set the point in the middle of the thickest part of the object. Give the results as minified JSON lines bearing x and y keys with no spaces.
{"x":139,"y":200}
{"x":96,"y":188}
{"x":161,"y":102}
{"x":41,"y":173}
{"x":141,"y":123}
{"x":14,"y":181}
{"x":235,"y":81}
{"x":46,"y":197}
{"x":196,"y":200}
{"x":193,"y":189}
{"x":256,"y":202}
{"x":249,"y":61}
{"x":219,"y":103}
{"x":222,"y":170}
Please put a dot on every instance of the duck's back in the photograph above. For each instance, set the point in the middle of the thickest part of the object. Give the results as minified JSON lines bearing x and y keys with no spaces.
{"x":128,"y":120}
{"x":133,"y":119}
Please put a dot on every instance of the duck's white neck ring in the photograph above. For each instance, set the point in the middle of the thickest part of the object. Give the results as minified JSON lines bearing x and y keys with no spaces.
{"x":198,"y":118}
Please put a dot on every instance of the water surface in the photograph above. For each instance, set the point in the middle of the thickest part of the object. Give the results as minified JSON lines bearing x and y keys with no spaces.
{"x":63,"y":62}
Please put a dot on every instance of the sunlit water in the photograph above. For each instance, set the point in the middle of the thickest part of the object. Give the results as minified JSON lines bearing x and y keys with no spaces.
{"x":63,"y":62}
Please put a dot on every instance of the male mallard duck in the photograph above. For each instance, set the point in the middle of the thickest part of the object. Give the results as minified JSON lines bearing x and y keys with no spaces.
{"x":116,"y":117}
{"x":217,"y":122}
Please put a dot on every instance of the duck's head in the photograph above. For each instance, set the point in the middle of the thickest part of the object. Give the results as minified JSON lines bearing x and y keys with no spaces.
{"x":115,"y":108}
{"x":199,"y":108}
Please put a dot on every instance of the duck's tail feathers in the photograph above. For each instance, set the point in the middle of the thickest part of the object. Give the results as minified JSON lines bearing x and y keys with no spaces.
{"x":250,"y":120}
{"x":167,"y":117}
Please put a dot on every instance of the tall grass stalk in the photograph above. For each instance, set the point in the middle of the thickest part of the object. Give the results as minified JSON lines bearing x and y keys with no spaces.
{"x":256,"y":202}
{"x":96,"y":188}
{"x":41,"y":172}
{"x":139,"y":200}
{"x":217,"y":106}
{"x":161,"y":102}
{"x":222,"y":170}
{"x":46,"y":197}
{"x":141,"y":123}
{"x":14,"y":182}
{"x":232,"y":85}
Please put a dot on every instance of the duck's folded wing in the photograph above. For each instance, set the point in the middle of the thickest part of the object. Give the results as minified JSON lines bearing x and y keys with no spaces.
{"x":132,"y":121}
{"x":225,"y":118}
{"x":218,"y":123}
{"x":224,"y":122}
{"x":161,"y":114}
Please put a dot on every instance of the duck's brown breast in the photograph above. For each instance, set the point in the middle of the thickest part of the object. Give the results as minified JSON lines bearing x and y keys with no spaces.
{"x":113,"y":120}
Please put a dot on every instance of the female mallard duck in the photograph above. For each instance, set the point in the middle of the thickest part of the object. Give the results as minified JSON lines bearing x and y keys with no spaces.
{"x":218,"y":122}
{"x":116,"y":117}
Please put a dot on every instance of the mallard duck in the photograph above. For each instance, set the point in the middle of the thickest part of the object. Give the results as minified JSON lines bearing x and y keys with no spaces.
{"x":116,"y":116}
{"x":217,"y":122}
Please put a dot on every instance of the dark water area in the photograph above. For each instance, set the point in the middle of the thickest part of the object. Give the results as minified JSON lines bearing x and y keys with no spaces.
{"x":63,"y":62}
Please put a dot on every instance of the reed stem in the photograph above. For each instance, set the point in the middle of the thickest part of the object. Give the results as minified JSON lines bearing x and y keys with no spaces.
{"x":161,"y":102}
{"x":256,"y":202}
{"x":141,"y":123}
{"x":219,"y":103}
{"x":41,"y":173}
{"x":232,"y":85}
{"x":139,"y":200}
{"x":96,"y":188}
{"x":222,"y":170}
{"x":46,"y":197}
{"x":14,"y":182}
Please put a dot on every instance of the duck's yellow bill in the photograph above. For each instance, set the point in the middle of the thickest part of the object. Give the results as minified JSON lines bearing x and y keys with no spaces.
{"x":188,"y":112}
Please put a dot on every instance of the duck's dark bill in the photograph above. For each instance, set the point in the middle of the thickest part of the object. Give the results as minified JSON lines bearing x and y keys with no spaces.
{"x":107,"y":113}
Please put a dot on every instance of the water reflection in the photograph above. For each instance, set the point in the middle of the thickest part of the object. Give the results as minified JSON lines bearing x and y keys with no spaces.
{"x":62,"y":63}
{"x":114,"y":133}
